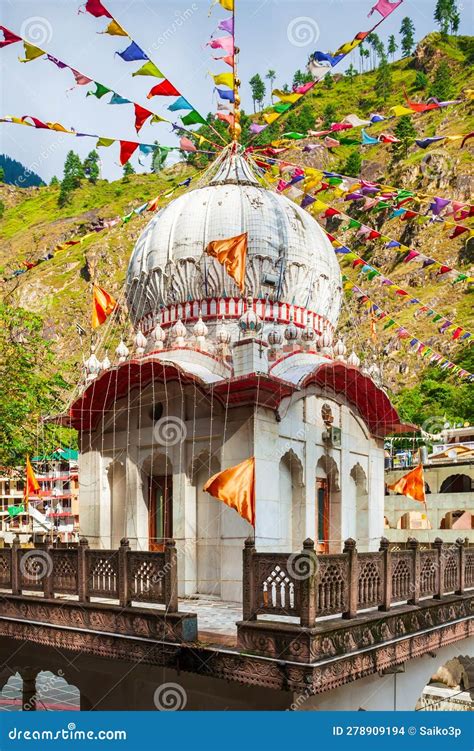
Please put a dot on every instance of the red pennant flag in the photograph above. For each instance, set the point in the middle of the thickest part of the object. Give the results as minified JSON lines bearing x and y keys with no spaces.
{"x":95,"y":8}
{"x":127,"y":148}
{"x":458,"y":230}
{"x":373,"y":234}
{"x":165,"y":88}
{"x":153,"y":205}
{"x":141,"y":116}
{"x":408,"y":215}
{"x":8,"y":37}
{"x":330,"y":212}
{"x":103,"y":304}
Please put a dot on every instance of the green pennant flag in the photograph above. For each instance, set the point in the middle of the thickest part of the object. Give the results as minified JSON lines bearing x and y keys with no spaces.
{"x":105,"y":142}
{"x":293,"y":135}
{"x":126,"y":219}
{"x":460,"y":278}
{"x":192,"y":118}
{"x":281,"y":107}
{"x":349,"y":141}
{"x":100,"y":91}
{"x":372,"y":274}
{"x":354,"y":224}
{"x":437,"y":317}
{"x":335,"y":180}
{"x":15,"y":510}
{"x":389,"y":323}
{"x":149,"y":69}
{"x":380,"y":206}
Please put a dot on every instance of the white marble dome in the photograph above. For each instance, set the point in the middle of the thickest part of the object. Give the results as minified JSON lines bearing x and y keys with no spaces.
{"x":291,"y":266}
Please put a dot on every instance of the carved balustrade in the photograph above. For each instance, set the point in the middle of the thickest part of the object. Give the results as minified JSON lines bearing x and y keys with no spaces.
{"x":126,"y":575}
{"x":307,"y":586}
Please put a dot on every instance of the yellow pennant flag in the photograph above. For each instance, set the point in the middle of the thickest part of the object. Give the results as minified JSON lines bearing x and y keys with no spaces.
{"x":271,"y":117}
{"x":226,"y":4}
{"x":31,"y":53}
{"x":400,"y":110}
{"x":285,"y":96}
{"x":115,"y":30}
{"x":59,"y":127}
{"x":232,"y":254}
{"x":344,"y":49}
{"x":226,"y":79}
{"x":235,"y":487}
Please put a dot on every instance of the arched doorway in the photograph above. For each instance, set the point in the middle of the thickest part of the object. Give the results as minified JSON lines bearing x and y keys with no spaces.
{"x":117,"y":488}
{"x":157,"y":474}
{"x":361,"y":508}
{"x":291,"y":502}
{"x":328,"y":506}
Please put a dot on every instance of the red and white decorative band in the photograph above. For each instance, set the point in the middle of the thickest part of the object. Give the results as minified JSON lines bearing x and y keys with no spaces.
{"x":234,"y":307}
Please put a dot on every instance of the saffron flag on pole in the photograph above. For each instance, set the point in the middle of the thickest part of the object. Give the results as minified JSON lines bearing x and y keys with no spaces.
{"x":235,"y":487}
{"x":103,"y":304}
{"x":31,"y":485}
{"x":232,"y":254}
{"x":412,"y":485}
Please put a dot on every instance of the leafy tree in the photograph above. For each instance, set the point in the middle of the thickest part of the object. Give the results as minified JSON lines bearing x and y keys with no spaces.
{"x":29,"y":387}
{"x":91,"y":167}
{"x":2,"y":175}
{"x":442,"y":85}
{"x":73,"y":174}
{"x":351,"y":73}
{"x":406,"y":133}
{"x":407,"y":32}
{"x":270,"y":76}
{"x":421,"y":80}
{"x":300,"y":120}
{"x":353,"y":164}
{"x":329,"y":114}
{"x":54,"y":181}
{"x":328,"y":81}
{"x":392,"y":46}
{"x":383,"y":82}
{"x":258,"y":90}
{"x":447,"y":16}
{"x":127,"y":171}
{"x":300,"y":78}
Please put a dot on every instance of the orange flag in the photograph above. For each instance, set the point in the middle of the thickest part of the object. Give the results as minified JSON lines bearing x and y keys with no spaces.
{"x":235,"y":486}
{"x":412,"y":485}
{"x":103,"y":305}
{"x":32,"y":486}
{"x":231,"y":253}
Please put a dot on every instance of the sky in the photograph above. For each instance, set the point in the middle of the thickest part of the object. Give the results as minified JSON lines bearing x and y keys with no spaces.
{"x":277,"y":34}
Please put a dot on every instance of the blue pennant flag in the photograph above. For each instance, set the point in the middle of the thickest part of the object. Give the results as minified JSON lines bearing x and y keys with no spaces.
{"x":133,"y":52}
{"x":117,"y":99}
{"x":226,"y":94}
{"x":180,"y":104}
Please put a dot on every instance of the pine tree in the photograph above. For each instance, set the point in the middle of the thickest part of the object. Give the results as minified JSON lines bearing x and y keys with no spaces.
{"x":447,"y":16}
{"x":258,"y":90}
{"x":91,"y":167}
{"x":442,"y":86}
{"x":271,"y":75}
{"x":329,"y":115}
{"x":383,"y":82}
{"x":73,"y":174}
{"x":351,"y":73}
{"x":407,"y":32}
{"x":54,"y":181}
{"x":127,"y":171}
{"x":300,"y":78}
{"x":353,"y":164}
{"x":328,"y":81}
{"x":421,"y":80}
{"x":406,"y":134}
{"x":392,"y":46}
{"x":2,"y":175}
{"x":2,"y":209}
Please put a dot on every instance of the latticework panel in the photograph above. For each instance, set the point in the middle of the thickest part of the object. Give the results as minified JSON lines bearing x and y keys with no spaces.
{"x":429,"y":573}
{"x":33,"y":566}
{"x":276,"y":590}
{"x":102,"y":579}
{"x":402,"y":566}
{"x":333,"y":583}
{"x":469,"y":568}
{"x":370,"y":580}
{"x":5,"y":567}
{"x":146,"y":576}
{"x":451,"y":572}
{"x":64,"y":571}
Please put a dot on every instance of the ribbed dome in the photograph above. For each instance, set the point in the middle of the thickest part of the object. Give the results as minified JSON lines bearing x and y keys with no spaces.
{"x":289,"y":258}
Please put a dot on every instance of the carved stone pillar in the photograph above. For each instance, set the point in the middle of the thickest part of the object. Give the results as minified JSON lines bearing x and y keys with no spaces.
{"x":353,"y":583}
{"x":414,"y":546}
{"x":248,"y":595}
{"x":16,"y":589}
{"x":387,"y":575}
{"x":306,"y":564}
{"x":462,"y":567}
{"x":123,"y":585}
{"x":171,"y":576}
{"x":82,"y":570}
{"x":441,"y":562}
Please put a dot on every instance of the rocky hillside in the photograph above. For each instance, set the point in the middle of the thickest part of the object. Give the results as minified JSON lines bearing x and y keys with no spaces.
{"x":59,"y":290}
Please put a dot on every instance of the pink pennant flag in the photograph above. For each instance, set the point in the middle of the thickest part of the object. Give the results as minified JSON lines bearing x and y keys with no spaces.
{"x":81,"y":80}
{"x":385,"y":7}
{"x":226,"y":117}
{"x":304,"y":87}
{"x":223,"y":43}
{"x":410,"y":256}
{"x":185,"y":144}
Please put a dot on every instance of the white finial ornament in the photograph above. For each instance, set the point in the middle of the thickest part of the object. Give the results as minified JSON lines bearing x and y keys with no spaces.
{"x":157,"y":337}
{"x":353,"y":360}
{"x":106,"y":362}
{"x":249,"y":323}
{"x":179,"y":333}
{"x":122,"y":351}
{"x":200,"y":331}
{"x":140,"y":341}
{"x":340,"y":350}
{"x":92,"y":366}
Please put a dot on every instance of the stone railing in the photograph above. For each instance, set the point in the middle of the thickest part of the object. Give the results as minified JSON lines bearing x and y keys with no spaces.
{"x":306,"y":586}
{"x":124,"y":575}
